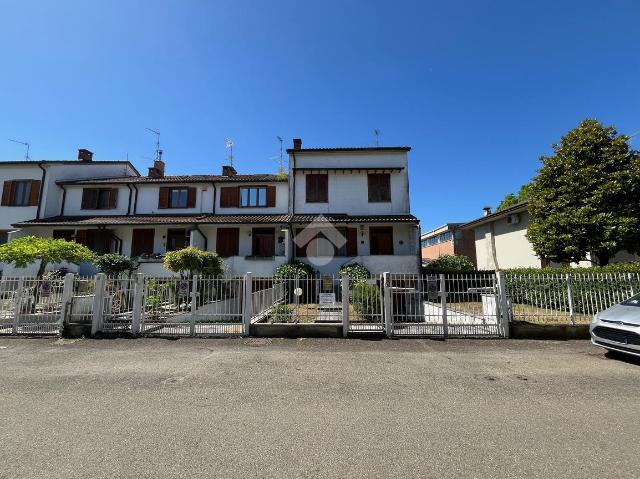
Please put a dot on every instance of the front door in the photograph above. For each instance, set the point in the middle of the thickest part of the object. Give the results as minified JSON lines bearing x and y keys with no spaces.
{"x":142,"y":241}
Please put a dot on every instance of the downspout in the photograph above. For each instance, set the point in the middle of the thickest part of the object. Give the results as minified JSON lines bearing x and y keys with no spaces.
{"x":135,"y":200}
{"x":64,"y":199}
{"x":492,"y":245}
{"x":44,"y":174}
{"x":292,"y":178}
{"x":130,"y":196}
{"x":206,"y":242}
{"x":215,"y":192}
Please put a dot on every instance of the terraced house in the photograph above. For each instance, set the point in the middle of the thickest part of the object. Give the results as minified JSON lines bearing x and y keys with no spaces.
{"x":335,"y":206}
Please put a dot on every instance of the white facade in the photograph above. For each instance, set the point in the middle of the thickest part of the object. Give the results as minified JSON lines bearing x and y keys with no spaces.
{"x":383,"y":236}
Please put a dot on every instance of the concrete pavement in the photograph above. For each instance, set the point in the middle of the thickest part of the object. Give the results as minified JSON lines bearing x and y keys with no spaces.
{"x":151,"y":408}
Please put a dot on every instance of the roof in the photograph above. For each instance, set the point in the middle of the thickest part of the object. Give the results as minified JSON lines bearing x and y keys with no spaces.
{"x":517,"y":208}
{"x":344,"y":218}
{"x":153,"y":219}
{"x":200,"y":218}
{"x":350,"y":148}
{"x":69,"y":162}
{"x":440,"y":229}
{"x":260,"y":178}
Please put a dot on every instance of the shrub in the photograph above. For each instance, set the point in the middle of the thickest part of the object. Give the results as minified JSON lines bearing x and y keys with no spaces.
{"x":194,"y":260}
{"x":365,"y":299}
{"x":113,"y":264}
{"x":450,"y":263}
{"x":294,"y":269}
{"x":357,"y":273}
{"x":281,"y":313}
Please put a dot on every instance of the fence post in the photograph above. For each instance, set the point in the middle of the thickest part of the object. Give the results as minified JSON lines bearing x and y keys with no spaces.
{"x":572,"y":312}
{"x":443,"y":305}
{"x":503,"y":304}
{"x":98,"y":303}
{"x":387,"y":302}
{"x":247,"y":307}
{"x":136,"y":315}
{"x":67,"y":294}
{"x":194,"y":304}
{"x":18,"y":306}
{"x":345,"y":305}
{"x":630,"y":276}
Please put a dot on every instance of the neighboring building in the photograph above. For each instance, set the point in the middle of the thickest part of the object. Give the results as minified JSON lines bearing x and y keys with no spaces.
{"x":361,"y":193}
{"x":447,"y":239}
{"x":501,"y":242}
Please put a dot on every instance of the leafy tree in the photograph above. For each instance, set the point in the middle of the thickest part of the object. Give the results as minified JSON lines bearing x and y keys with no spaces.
{"x":294,"y":269}
{"x":29,"y":249}
{"x":451,"y":263}
{"x":193,"y":260}
{"x":511,"y":199}
{"x":585,"y":197}
{"x":113,"y":264}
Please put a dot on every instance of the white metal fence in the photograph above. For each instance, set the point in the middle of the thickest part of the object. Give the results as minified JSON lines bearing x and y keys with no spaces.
{"x":404,"y":305}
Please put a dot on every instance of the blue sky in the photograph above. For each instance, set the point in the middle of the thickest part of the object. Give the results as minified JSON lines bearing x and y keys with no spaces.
{"x":479,"y":89}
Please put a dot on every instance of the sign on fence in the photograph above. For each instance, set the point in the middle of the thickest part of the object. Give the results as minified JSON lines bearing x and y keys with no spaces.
{"x":183,"y":287}
{"x":432,"y":287}
{"x":327,"y":299}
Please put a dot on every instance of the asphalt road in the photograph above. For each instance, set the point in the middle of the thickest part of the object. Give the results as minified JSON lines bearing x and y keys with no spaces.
{"x":316,"y":408}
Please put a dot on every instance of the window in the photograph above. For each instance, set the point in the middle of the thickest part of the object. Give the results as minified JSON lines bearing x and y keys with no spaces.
{"x":21,"y":193}
{"x":381,"y":240}
{"x":98,"y":241}
{"x":379,"y":187}
{"x":66,"y":235}
{"x":177,"y":239}
{"x":437,"y":239}
{"x":263,"y":242}
{"x":227,"y":242}
{"x":99,"y":198}
{"x":253,"y":196}
{"x":317,"y":188}
{"x":176,"y":197}
{"x":142,"y":241}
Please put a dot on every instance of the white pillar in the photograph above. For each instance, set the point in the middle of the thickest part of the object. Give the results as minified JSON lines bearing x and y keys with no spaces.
{"x":388,"y":306}
{"x":247,"y":306}
{"x":504,"y":305}
{"x":194,"y":304}
{"x":17,"y":308}
{"x":67,"y":295}
{"x":345,"y":305}
{"x":138,"y":298}
{"x":98,"y":303}
{"x":443,"y":305}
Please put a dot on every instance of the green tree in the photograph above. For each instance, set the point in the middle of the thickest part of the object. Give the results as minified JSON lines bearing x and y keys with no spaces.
{"x":29,"y":249}
{"x":513,"y":199}
{"x":113,"y":264}
{"x":451,"y":263}
{"x":193,"y":260}
{"x":584,"y":199}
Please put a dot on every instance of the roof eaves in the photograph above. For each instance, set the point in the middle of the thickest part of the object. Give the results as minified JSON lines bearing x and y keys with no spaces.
{"x":519,"y":207}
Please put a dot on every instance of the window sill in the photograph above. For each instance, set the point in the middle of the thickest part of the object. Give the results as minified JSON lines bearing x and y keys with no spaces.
{"x":260,"y":258}
{"x":385,"y":201}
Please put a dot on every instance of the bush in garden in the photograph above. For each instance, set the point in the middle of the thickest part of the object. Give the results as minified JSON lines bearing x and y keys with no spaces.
{"x":114,"y":265}
{"x":281,"y":313}
{"x":356,"y":272}
{"x":193,"y":260}
{"x":450,"y":263}
{"x":365,"y":299}
{"x":294,"y":269}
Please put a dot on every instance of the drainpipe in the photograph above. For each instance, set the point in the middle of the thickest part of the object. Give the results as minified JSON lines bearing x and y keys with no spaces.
{"x":135,"y":199}
{"x":292,"y":179}
{"x":130,"y":196}
{"x":215,"y":193}
{"x":44,"y":174}
{"x":206,"y":242}
{"x":64,"y":199}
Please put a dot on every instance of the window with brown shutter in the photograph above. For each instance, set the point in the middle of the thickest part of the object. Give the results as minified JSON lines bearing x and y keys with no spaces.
{"x":381,"y":240}
{"x":379,"y":187}
{"x":227,"y":242}
{"x":142,"y":241}
{"x":163,"y":197}
{"x":263,"y":242}
{"x":352,"y":242}
{"x":256,"y":196}
{"x":271,"y":196}
{"x":229,"y":197}
{"x":176,"y":197}
{"x":317,"y":188}
{"x":20,"y":193}
{"x":99,"y":198}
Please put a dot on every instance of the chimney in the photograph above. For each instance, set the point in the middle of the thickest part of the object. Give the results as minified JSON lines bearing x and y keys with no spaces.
{"x":486,"y":210}
{"x":228,"y":170}
{"x":85,"y":155}
{"x":157,"y":170}
{"x":297,"y":143}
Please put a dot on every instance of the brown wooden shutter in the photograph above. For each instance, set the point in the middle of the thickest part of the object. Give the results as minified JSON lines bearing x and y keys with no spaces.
{"x":191,"y":197}
{"x":34,"y":194}
{"x":6,"y":193}
{"x":89,"y":199}
{"x":229,"y":197}
{"x":301,"y":250}
{"x":113,"y":198}
{"x":271,"y":195}
{"x":163,"y":197}
{"x":352,"y":242}
{"x":227,"y":242}
{"x":81,"y":237}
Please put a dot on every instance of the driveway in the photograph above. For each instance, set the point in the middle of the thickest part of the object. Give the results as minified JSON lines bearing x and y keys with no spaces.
{"x":243,"y":408}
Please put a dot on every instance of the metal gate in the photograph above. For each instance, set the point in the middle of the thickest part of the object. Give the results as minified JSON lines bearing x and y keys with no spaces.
{"x":366,"y":305}
{"x":31,"y":305}
{"x":451,"y":305}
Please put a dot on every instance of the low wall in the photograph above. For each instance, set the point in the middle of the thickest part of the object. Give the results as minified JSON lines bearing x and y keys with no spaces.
{"x":522,"y":330}
{"x":304,"y":330}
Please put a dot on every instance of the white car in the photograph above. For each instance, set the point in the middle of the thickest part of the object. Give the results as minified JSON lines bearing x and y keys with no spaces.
{"x":618,"y":327}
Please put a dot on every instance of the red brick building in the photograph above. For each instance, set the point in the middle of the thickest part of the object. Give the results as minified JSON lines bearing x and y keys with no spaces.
{"x":447,"y":239}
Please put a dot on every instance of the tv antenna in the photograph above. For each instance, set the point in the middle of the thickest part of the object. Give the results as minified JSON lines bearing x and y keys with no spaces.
{"x":24,"y":143}
{"x":158,"y":150}
{"x":376,"y":134}
{"x":281,"y":160}
{"x":228,"y":144}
